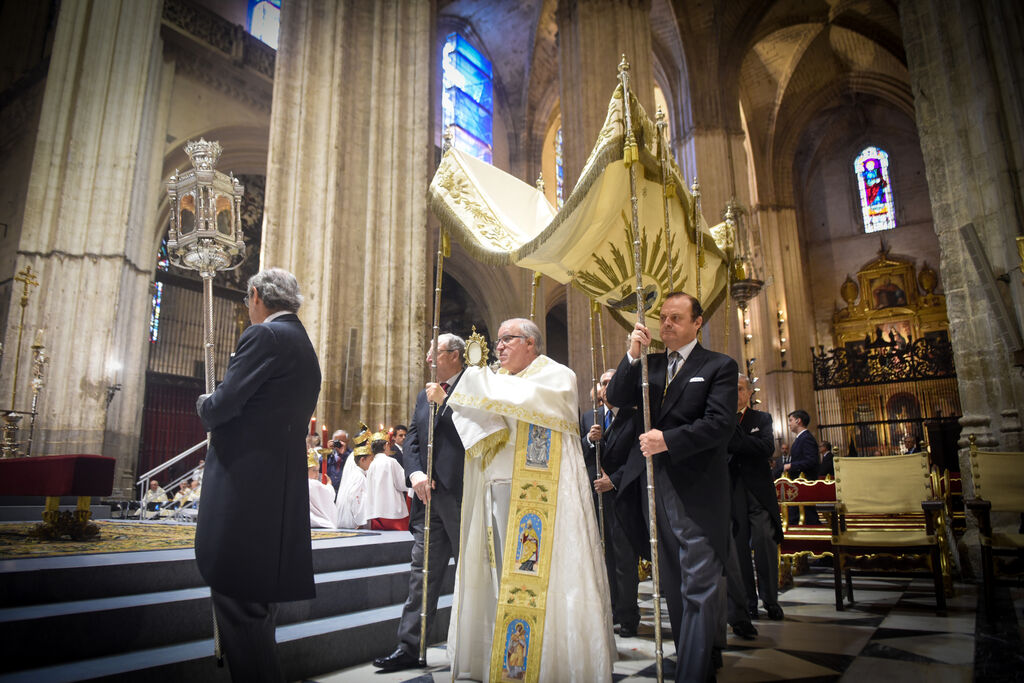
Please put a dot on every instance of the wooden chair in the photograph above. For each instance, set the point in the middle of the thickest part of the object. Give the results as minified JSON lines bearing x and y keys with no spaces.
{"x":998,"y":487}
{"x":801,"y":541}
{"x":885,"y":521}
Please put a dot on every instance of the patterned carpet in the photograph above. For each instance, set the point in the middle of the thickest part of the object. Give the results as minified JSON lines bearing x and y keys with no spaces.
{"x":115,"y":537}
{"x":890,"y":634}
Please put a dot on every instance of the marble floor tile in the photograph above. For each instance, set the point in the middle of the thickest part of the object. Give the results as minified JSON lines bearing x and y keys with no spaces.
{"x":953,"y":623}
{"x":749,"y":666}
{"x":950,"y":648}
{"x":874,"y":669}
{"x":795,"y":635}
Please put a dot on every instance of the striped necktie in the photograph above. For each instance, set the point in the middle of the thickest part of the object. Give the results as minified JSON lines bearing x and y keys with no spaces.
{"x":675,"y":361}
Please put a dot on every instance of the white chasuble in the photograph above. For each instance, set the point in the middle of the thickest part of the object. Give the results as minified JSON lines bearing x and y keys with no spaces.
{"x":531,"y":590}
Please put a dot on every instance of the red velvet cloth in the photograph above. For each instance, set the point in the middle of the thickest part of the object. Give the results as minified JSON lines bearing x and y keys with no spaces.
{"x":57,"y":475}
{"x":381,"y":524}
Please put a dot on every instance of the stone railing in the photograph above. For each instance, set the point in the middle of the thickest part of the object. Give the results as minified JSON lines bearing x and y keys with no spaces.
{"x":220,"y":34}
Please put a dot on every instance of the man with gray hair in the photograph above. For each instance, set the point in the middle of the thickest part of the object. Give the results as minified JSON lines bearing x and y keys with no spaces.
{"x":443,"y":488}
{"x":255,"y":556}
{"x":527,"y":502}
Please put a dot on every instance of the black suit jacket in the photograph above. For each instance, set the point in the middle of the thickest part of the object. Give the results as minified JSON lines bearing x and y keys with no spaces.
{"x":828,"y":466}
{"x":449,"y":454}
{"x":616,"y":442}
{"x":253,"y":537}
{"x":803,"y":456}
{"x":750,"y":453}
{"x":697,"y":415}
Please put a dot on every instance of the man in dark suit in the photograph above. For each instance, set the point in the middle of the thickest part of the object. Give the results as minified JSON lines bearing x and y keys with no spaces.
{"x":803,"y":461}
{"x":755,"y":506}
{"x":828,"y":466}
{"x":693,"y":415}
{"x":444,"y":490}
{"x":803,"y":454}
{"x":254,"y":555}
{"x":615,"y":433}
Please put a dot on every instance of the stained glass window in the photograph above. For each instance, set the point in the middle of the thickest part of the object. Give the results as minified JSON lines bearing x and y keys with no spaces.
{"x":876,"y":198}
{"x":265,"y":20}
{"x":154,"y":314}
{"x":467,"y":100}
{"x":559,"y":169}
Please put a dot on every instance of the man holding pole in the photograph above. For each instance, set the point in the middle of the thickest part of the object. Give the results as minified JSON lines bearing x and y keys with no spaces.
{"x":444,"y":491}
{"x":254,"y":556}
{"x":693,"y":415}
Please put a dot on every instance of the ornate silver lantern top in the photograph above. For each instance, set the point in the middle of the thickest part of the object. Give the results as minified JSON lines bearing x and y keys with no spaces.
{"x":206,"y":224}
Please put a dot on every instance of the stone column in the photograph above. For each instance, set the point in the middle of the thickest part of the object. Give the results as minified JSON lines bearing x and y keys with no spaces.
{"x":789,"y":386}
{"x":961,"y":61}
{"x":92,"y":188}
{"x":964,"y":61}
{"x":592,"y":37}
{"x":347,"y":173}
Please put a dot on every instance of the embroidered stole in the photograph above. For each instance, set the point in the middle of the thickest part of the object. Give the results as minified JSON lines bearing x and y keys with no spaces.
{"x":526,"y":558}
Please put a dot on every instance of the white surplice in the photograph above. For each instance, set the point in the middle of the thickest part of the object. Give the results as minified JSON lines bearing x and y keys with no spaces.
{"x":386,"y":489}
{"x":578,"y":644}
{"x":323,"y":513}
{"x":352,"y":496}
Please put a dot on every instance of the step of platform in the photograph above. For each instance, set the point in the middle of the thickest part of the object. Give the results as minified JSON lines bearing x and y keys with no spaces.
{"x":146,"y":615}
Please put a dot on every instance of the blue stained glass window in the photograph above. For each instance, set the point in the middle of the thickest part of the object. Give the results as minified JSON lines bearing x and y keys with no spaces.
{"x":265,"y":20}
{"x":559,"y":169}
{"x":876,"y":198}
{"x":469,"y":116}
{"x":470,"y":145}
{"x":467,"y":99}
{"x":154,"y":315}
{"x":462,"y":74}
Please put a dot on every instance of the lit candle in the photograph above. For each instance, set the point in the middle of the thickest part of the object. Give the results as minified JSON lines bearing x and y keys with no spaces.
{"x":312,"y":426}
{"x":323,"y":436}
{"x":38,"y":342}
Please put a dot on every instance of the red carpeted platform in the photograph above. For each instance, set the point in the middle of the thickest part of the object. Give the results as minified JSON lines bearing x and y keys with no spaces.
{"x":57,"y":475}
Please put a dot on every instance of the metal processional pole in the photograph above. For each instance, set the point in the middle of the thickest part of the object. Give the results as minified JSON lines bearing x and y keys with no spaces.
{"x":442,"y":250}
{"x":631,"y":156}
{"x":206,"y":236}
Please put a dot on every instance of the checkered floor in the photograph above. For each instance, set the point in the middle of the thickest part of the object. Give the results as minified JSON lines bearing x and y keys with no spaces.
{"x":890,"y":634}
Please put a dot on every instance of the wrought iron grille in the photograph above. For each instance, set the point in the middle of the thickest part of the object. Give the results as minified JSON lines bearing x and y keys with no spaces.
{"x":881,"y":362}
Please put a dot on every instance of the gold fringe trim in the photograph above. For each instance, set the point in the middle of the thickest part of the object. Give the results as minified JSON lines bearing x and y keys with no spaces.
{"x":488,"y":447}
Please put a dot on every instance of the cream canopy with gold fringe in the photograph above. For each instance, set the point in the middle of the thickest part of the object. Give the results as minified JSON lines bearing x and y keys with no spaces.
{"x":501,"y":220}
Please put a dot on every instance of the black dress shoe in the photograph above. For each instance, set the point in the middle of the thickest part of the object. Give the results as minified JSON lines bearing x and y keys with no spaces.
{"x":745,"y":630}
{"x":775,"y":612}
{"x":627,"y":631}
{"x":396,"y":661}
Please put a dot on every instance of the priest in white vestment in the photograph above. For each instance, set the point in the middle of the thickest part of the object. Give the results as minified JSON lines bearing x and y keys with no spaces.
{"x":323,"y":513}
{"x":352,"y":490}
{"x":536,"y":608}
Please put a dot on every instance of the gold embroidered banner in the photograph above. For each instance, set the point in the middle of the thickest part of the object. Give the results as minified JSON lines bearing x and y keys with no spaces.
{"x":526,"y":560}
{"x":503,"y":221}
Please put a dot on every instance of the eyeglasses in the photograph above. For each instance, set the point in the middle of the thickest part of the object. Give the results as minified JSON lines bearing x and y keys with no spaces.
{"x":507,"y":339}
{"x":245,"y":299}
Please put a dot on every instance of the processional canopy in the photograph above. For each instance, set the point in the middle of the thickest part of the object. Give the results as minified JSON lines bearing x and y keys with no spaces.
{"x":502,"y":220}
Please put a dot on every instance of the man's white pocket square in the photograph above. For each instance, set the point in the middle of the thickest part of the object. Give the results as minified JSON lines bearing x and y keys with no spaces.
{"x":755,"y":429}
{"x":696,"y":379}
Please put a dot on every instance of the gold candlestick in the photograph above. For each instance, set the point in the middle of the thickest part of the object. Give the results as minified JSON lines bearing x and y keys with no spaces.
{"x":28,"y":279}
